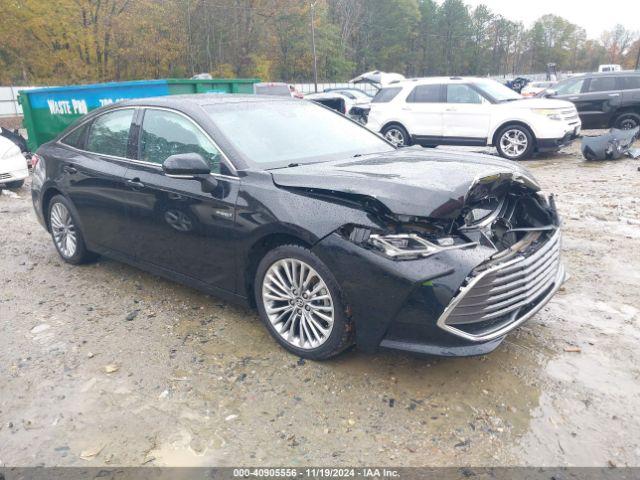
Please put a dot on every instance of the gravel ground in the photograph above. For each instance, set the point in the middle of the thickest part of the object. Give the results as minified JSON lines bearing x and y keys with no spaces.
{"x":106,"y":365}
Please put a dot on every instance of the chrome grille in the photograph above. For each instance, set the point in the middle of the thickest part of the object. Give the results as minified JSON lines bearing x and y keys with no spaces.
{"x":499,"y":298}
{"x":5,"y":176}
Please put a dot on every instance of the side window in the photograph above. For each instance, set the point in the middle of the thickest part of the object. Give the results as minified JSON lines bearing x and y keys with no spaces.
{"x":459,"y":93}
{"x":76,"y":137}
{"x":425,"y":94}
{"x":385,"y":95}
{"x":572,"y":87}
{"x":109,"y":134}
{"x":631,"y":82}
{"x":166,"y":133}
{"x":602,"y":84}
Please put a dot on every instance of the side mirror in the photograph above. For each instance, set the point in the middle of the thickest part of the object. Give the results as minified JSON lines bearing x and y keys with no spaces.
{"x":550,"y":92}
{"x":186,"y":165}
{"x":190,"y":166}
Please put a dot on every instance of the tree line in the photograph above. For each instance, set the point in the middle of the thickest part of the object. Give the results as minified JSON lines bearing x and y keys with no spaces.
{"x":71,"y":41}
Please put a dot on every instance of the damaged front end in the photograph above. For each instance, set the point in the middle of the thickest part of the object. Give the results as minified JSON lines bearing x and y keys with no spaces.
{"x":474,"y":275}
{"x":498,"y":212}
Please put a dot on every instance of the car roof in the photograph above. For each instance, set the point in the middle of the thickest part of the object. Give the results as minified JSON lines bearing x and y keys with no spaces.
{"x":432,"y":80}
{"x":205,"y":99}
{"x":621,"y":73}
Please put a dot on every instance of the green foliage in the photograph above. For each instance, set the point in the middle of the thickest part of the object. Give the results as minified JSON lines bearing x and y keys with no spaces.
{"x":71,"y":41}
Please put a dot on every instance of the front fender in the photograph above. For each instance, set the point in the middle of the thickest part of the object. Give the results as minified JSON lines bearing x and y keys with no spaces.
{"x":377,"y":289}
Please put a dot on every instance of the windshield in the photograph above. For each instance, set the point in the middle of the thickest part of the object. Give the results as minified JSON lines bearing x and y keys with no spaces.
{"x":278,"y":134}
{"x":497,"y":91}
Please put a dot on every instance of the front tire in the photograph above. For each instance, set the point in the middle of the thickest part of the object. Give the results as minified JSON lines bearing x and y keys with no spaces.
{"x":396,"y":135}
{"x":515,"y":142}
{"x":65,"y":232}
{"x":300,"y":302}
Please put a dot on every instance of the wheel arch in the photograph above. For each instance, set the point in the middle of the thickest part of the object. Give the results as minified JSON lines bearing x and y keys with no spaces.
{"x":259,"y":249}
{"x":48,"y":194}
{"x":494,"y":135}
{"x":394,"y":122}
{"x":622,"y":111}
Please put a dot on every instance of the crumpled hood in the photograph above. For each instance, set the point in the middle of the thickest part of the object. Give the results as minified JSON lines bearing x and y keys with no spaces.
{"x":410,"y":181}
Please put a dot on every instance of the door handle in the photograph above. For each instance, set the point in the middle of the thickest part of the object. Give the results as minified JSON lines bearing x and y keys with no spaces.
{"x":135,"y":183}
{"x":450,"y":109}
{"x":69,"y":169}
{"x":406,"y":109}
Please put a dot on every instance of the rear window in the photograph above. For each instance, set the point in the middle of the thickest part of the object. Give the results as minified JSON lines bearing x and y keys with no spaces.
{"x":425,"y":94}
{"x":109,"y":134}
{"x":602,"y":84}
{"x":631,"y":82}
{"x":385,"y":95}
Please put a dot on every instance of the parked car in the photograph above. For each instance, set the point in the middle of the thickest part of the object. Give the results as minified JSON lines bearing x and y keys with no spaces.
{"x":13,"y":165}
{"x":277,"y":89}
{"x":16,"y":138}
{"x":603,"y":100}
{"x":332,"y":233}
{"x":471,"y":111}
{"x":534,"y":89}
{"x":355,"y":108}
{"x":355,"y":94}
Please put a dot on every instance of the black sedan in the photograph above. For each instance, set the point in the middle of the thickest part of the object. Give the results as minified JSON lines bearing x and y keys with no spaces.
{"x":335,"y":236}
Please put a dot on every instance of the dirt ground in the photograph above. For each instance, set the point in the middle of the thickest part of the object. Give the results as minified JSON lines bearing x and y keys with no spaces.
{"x":190,"y":380}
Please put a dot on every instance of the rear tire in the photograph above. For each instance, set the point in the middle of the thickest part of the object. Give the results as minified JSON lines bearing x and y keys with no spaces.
{"x":627,"y":121}
{"x":514,"y":142}
{"x":307,"y":317}
{"x":397,"y":135}
{"x":65,"y":232}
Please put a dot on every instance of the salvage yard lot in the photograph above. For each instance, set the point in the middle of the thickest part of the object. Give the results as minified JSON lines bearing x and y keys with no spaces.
{"x":106,"y":365}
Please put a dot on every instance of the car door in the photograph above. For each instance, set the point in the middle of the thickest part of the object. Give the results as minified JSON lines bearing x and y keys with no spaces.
{"x":422,"y":112}
{"x":94,"y":178}
{"x":467,"y":115}
{"x":601,"y":97}
{"x":178,"y":226}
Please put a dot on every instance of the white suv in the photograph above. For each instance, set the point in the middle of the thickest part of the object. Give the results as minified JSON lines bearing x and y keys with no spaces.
{"x":471,"y":111}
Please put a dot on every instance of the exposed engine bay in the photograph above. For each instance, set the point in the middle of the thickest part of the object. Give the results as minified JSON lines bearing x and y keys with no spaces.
{"x":500,"y":219}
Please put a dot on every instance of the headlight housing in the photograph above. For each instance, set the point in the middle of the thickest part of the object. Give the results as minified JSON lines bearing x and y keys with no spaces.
{"x":550,"y":113}
{"x":405,"y":246}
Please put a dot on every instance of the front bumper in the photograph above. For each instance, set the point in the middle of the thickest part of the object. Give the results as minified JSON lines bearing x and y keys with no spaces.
{"x":14,"y":176}
{"x":552,"y":144}
{"x":427,"y":306}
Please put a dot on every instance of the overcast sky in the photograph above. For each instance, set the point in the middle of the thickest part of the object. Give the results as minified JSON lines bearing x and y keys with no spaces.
{"x":594,"y":16}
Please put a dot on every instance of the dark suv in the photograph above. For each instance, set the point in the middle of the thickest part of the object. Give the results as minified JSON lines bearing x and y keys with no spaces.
{"x":603,"y":100}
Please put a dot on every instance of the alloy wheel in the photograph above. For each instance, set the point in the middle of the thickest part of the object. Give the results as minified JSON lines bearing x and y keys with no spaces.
{"x":298,"y":303}
{"x":63,"y":230}
{"x":514,"y":142}
{"x":395,"y":136}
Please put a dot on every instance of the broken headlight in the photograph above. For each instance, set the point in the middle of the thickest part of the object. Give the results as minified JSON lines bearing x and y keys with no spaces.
{"x":550,"y":113}
{"x":404,"y":246}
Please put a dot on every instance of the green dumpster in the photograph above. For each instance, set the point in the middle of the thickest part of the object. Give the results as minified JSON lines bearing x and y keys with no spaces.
{"x":48,"y":111}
